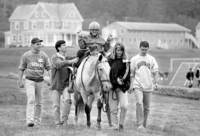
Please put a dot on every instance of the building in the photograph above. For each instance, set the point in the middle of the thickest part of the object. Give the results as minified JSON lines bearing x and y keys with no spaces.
{"x":197,"y":33}
{"x":48,"y":21}
{"x":162,"y":35}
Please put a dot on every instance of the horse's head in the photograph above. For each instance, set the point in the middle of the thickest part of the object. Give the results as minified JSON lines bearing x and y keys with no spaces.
{"x":103,"y":71}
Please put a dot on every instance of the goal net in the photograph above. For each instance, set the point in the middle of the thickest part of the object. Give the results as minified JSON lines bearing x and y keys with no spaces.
{"x":179,"y":73}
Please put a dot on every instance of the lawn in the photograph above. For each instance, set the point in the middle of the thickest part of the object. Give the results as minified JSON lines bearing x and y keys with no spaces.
{"x":170,"y":116}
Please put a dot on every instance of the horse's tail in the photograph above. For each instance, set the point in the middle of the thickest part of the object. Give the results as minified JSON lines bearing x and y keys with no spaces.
{"x":79,"y":104}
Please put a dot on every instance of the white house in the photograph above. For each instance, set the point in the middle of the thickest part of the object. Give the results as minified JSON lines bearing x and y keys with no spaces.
{"x":48,"y":21}
{"x":162,"y":35}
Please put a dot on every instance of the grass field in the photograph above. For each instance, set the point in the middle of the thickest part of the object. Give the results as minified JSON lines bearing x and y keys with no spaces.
{"x":170,"y":116}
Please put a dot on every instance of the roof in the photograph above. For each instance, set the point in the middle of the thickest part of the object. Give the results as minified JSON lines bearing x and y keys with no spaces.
{"x":55,"y":10}
{"x":22,"y":12}
{"x":153,"y":26}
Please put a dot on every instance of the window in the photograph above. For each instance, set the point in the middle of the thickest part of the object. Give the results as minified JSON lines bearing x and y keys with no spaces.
{"x":68,"y":37}
{"x":14,"y":38}
{"x":30,"y":25}
{"x":25,"y":25}
{"x":40,"y":25}
{"x":20,"y":38}
{"x":46,"y":25}
{"x":16,"y":26}
{"x":58,"y":25}
{"x":12,"y":26}
{"x":34,"y":26}
{"x":74,"y":39}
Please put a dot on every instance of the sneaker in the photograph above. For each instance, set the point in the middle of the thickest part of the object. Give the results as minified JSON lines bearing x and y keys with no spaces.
{"x":30,"y":124}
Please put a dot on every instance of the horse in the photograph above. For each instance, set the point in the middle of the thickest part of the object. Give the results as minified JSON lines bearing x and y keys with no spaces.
{"x":92,"y":78}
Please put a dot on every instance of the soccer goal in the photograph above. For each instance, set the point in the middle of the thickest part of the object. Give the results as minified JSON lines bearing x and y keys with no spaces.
{"x":175,"y":62}
{"x":179,"y":76}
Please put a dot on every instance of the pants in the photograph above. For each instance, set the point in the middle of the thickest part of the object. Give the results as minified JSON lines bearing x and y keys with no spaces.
{"x":142,"y":106}
{"x":118,"y":99}
{"x":188,"y":83}
{"x":64,"y":101}
{"x":34,"y":101}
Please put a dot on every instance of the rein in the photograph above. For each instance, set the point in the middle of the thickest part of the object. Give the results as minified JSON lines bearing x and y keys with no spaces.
{"x":105,"y":99}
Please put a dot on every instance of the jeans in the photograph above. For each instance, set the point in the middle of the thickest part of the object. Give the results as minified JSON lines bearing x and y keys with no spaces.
{"x":34,"y":101}
{"x":61,"y":114}
{"x":142,"y":106}
{"x":118,"y":99}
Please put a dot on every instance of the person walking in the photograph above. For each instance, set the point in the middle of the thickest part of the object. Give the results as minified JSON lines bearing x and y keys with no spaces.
{"x":60,"y":77}
{"x":120,"y":79}
{"x":189,"y":78}
{"x":144,"y":78}
{"x":197,"y":74}
{"x":32,"y":65}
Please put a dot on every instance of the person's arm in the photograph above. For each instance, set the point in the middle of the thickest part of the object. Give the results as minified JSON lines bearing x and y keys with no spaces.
{"x":132,"y":75}
{"x":155,"y":73}
{"x":58,"y":63}
{"x":22,"y":67}
{"x":127,"y":71}
{"x":20,"y":82}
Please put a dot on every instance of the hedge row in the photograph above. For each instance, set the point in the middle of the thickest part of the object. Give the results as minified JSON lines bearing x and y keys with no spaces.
{"x":190,"y":93}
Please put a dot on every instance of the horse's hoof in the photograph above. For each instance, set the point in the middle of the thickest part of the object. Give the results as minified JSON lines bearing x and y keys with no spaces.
{"x":88,"y":125}
{"x":98,"y":126}
{"x":76,"y":120}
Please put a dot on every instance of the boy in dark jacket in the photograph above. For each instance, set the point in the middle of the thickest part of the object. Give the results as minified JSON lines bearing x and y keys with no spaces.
{"x":60,"y":75}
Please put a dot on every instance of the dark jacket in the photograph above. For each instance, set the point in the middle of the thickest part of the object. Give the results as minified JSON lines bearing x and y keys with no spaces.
{"x":118,"y":70}
{"x":190,"y":75}
{"x":60,"y":73}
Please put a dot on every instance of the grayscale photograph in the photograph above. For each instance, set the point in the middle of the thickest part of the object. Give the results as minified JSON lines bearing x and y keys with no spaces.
{"x":99,"y":67}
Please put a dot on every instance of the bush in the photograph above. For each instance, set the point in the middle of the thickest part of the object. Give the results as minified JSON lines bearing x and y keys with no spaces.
{"x":12,"y":46}
{"x":190,"y":93}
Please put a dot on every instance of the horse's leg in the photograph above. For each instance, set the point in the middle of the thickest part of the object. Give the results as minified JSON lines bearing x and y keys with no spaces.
{"x":108,"y":114}
{"x":76,"y":113}
{"x":87,"y":111}
{"x":108,"y":109}
{"x":79,"y":105}
{"x":99,"y":107}
{"x":88,"y":108}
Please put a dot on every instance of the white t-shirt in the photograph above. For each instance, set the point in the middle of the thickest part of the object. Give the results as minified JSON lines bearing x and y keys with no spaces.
{"x":142,"y":67}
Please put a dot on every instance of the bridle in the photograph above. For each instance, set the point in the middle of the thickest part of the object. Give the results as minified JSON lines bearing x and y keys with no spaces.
{"x":104,"y":94}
